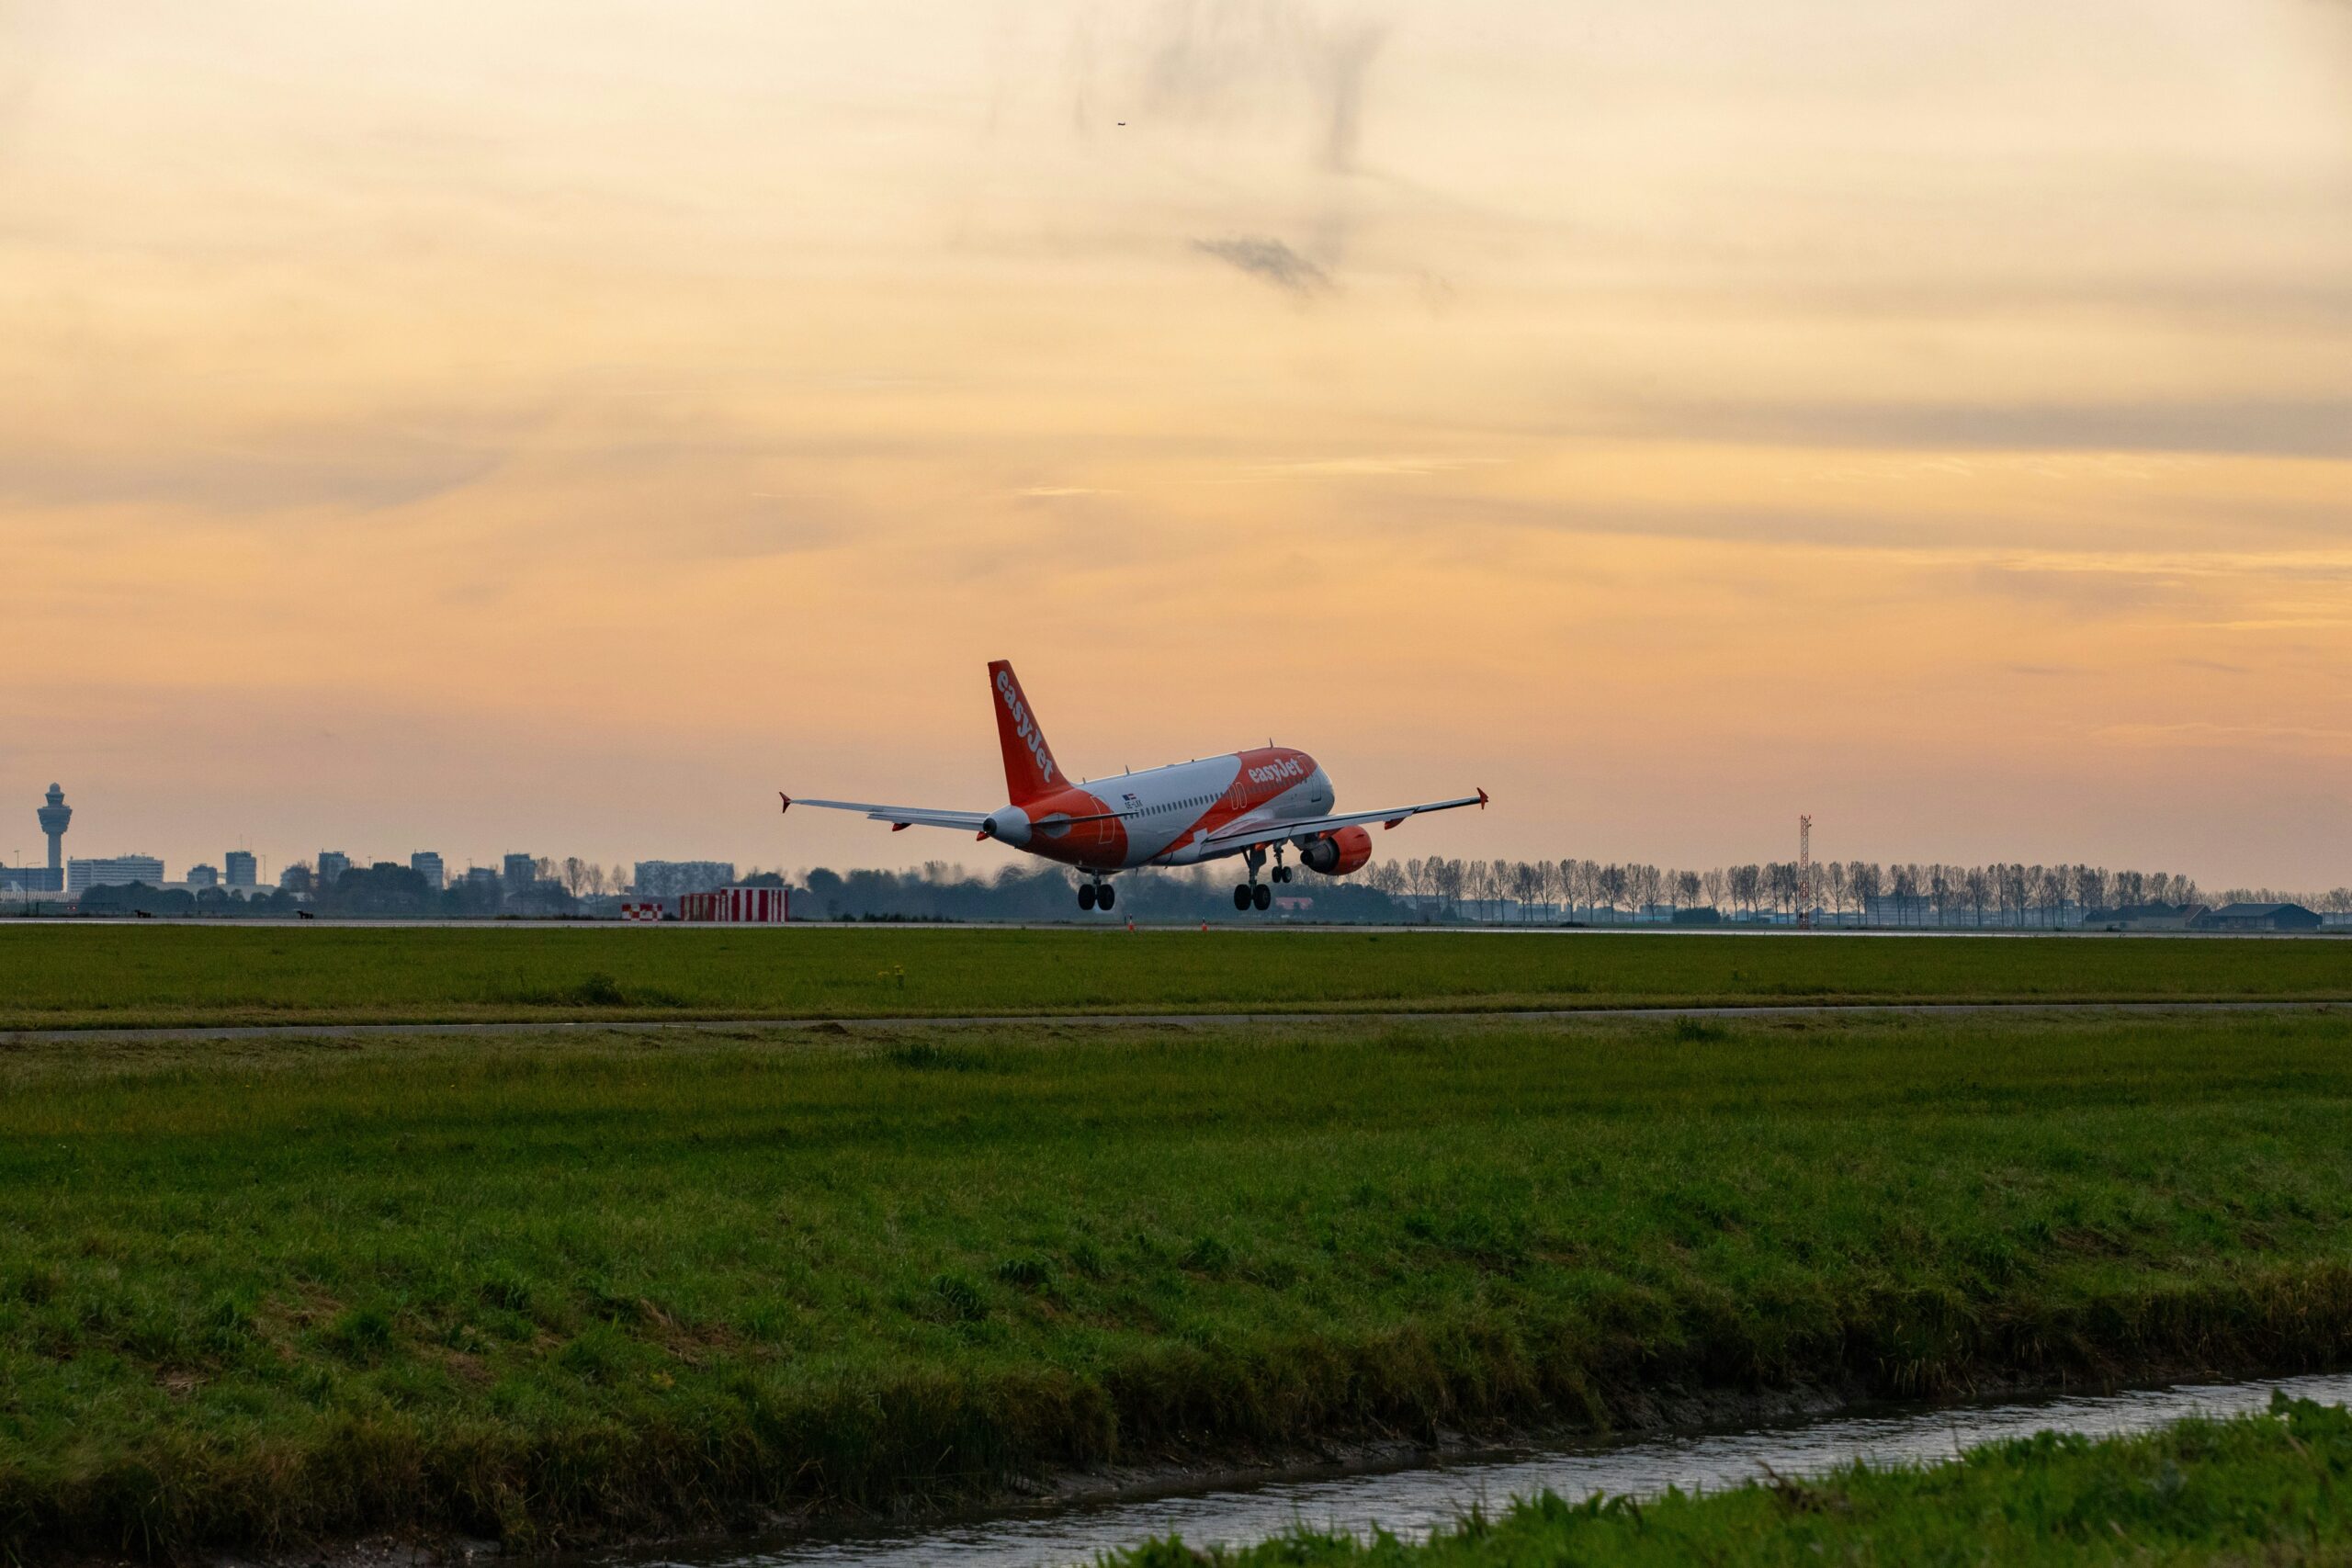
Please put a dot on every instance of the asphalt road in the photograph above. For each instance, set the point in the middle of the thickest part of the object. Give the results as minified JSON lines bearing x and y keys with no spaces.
{"x":1104,"y":1019}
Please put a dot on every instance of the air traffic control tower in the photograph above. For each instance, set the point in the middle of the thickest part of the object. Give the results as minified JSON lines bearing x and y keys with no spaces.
{"x":53,"y":820}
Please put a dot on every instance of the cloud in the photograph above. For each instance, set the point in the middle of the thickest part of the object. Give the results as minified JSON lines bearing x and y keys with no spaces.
{"x":1268,"y":261}
{"x":2319,"y":427}
{"x":2291,"y":737}
{"x":358,"y":467}
{"x":24,"y":27}
{"x":1345,"y":54}
{"x":1405,"y":465}
{"x":1220,"y":62}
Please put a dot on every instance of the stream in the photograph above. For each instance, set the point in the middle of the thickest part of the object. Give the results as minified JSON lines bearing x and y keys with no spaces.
{"x":1411,"y":1502}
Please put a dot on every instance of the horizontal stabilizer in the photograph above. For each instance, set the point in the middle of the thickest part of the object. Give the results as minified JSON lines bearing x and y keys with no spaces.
{"x":896,"y":816}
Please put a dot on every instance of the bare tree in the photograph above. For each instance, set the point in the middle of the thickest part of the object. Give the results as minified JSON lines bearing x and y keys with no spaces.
{"x":1978,"y":887}
{"x":1906,"y":891}
{"x":2013,"y":884}
{"x":1611,"y":886}
{"x":1715,"y":882}
{"x":1866,"y":880}
{"x":1643,"y":883}
{"x":1446,"y":877}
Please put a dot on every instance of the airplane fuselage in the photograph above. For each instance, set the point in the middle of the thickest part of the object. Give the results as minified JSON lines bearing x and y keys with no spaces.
{"x":1165,"y":815}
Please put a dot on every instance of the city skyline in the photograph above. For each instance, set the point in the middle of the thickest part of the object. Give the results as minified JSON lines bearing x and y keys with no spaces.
{"x":458,"y":430}
{"x":442,"y":870}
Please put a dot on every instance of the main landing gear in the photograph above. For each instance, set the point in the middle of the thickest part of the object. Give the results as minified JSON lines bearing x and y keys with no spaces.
{"x":1096,"y":894}
{"x":1254,"y":894}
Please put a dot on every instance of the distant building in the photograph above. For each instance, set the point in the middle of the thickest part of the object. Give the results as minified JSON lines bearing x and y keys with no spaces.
{"x":201,"y":877}
{"x":518,"y":872}
{"x":2148,"y":917}
{"x":427,"y":865}
{"x":480,"y":876}
{"x":333,"y":864}
{"x":27,"y":879}
{"x":80,"y":875}
{"x":2259,"y":917}
{"x":239,"y":869}
{"x":669,"y":878}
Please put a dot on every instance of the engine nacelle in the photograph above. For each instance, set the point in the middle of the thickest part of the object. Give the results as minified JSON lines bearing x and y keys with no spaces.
{"x":1338,"y":852}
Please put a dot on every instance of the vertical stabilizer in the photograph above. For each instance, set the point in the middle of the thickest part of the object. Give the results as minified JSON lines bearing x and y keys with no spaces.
{"x":1030,"y":770}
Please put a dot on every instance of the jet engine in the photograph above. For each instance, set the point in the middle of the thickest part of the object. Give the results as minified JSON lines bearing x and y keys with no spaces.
{"x":1338,"y":852}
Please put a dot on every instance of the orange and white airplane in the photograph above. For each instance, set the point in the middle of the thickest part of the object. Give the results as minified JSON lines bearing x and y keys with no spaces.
{"x":1248,"y":803}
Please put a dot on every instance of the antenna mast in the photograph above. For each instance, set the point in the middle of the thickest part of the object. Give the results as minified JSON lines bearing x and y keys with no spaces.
{"x":1804,"y":873}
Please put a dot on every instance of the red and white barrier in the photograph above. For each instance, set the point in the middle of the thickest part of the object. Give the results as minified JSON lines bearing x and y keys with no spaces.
{"x":759,"y":906}
{"x":641,"y":911}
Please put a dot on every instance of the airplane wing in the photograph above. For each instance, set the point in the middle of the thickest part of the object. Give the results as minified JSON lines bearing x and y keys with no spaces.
{"x":1265,"y":831}
{"x":899,"y":817}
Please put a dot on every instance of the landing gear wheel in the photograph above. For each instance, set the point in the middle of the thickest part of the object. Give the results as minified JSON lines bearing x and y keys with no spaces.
{"x":1281,"y":874}
{"x":1241,"y":895}
{"x":1086,"y":895}
{"x":1263,"y":895}
{"x":1107,"y":896}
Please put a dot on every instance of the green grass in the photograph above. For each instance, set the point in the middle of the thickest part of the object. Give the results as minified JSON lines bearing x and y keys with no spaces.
{"x":2258,"y":1489}
{"x":66,"y":975}
{"x":263,"y":1291}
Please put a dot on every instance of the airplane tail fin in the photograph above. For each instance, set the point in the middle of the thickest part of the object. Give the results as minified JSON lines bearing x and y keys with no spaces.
{"x":1029,"y":767}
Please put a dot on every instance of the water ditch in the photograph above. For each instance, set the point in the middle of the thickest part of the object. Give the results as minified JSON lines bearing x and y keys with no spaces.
{"x":1411,"y":1501}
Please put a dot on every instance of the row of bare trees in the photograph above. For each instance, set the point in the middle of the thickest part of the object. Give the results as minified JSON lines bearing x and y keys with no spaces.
{"x":2003,"y":894}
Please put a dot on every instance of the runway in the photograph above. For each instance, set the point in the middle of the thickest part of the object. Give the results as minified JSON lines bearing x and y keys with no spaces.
{"x":1127,"y":1020}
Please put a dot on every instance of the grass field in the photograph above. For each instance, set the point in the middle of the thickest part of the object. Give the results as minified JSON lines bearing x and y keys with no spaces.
{"x":257,"y":1291}
{"x":2259,"y":1489}
{"x":65,"y":976}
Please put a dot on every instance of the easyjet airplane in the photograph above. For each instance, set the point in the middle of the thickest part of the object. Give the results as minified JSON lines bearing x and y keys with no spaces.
{"x":1249,"y":803}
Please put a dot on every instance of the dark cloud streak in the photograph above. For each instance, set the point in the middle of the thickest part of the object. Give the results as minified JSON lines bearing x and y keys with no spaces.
{"x":1268,"y":261}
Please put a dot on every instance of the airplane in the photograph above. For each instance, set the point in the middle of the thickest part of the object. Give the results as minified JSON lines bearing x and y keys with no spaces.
{"x":1249,"y":803}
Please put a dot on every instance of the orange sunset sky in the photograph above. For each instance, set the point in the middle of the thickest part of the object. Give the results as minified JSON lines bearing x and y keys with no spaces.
{"x":555,"y":427}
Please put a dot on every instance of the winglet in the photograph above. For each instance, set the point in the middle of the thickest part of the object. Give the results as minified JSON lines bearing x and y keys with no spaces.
{"x":1482,"y":800}
{"x":788,"y":802}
